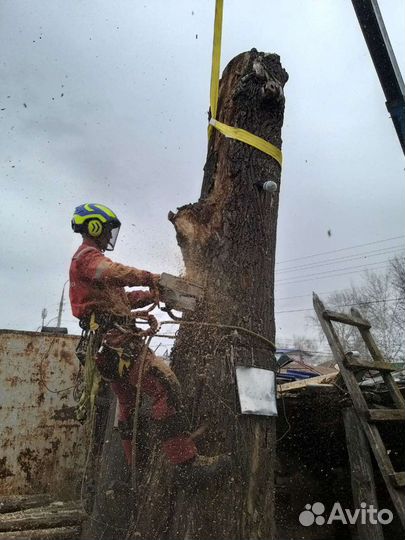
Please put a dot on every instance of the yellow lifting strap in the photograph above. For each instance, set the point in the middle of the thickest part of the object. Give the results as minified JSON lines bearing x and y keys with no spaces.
{"x":248,"y":138}
{"x":231,"y":132}
{"x":216,"y":59}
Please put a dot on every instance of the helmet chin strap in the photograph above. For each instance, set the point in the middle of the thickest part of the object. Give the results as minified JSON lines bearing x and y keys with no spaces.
{"x":96,"y":241}
{"x":102,"y":248}
{"x":103,"y":245}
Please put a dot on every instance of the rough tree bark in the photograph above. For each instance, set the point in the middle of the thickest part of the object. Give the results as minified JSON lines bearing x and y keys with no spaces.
{"x":228,"y":241}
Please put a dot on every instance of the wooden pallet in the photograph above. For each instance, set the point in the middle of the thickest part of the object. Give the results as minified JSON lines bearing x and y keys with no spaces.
{"x":370,"y":419}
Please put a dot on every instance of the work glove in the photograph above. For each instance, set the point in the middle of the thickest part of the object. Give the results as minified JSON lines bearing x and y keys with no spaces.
{"x":154,"y":287}
{"x":154,"y":281}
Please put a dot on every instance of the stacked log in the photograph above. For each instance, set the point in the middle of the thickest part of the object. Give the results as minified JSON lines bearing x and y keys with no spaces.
{"x":36,"y":517}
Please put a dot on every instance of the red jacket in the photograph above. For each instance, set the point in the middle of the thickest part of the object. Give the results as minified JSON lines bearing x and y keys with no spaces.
{"x":97,"y":284}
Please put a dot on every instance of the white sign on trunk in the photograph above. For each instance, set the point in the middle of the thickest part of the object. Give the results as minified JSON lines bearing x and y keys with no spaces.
{"x":257,"y":392}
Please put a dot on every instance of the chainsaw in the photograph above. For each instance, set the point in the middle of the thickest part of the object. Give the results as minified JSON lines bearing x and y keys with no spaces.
{"x":178,"y":294}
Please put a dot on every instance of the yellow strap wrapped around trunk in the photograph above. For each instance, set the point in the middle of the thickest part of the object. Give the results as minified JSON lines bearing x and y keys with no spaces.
{"x":248,"y":138}
{"x":234,"y":133}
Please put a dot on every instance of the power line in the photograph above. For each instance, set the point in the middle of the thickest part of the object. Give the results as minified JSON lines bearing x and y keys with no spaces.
{"x":347,"y":258}
{"x":341,"y":249}
{"x":308,"y":294}
{"x":314,"y":353}
{"x":365,"y":254}
{"x":313,"y":277}
{"x":293,"y":311}
{"x":323,"y":275}
{"x":341,"y":305}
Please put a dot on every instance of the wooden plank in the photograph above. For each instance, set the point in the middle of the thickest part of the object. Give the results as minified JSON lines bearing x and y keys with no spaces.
{"x":384,"y":415}
{"x":386,"y":468}
{"x":57,"y":533}
{"x":323,"y":387}
{"x":297,"y":385}
{"x":394,"y":390}
{"x":378,"y":448}
{"x":377,"y":356}
{"x":398,"y":479}
{"x":346,"y":319}
{"x":371,"y":344}
{"x":362,"y":476}
{"x":339,"y":356}
{"x":360,"y":363}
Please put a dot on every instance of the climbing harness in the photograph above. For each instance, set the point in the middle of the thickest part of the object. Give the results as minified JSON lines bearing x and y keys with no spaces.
{"x":122,"y":345}
{"x":91,"y":377}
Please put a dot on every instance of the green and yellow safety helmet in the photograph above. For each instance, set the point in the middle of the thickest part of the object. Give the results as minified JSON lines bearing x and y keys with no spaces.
{"x":94,"y":220}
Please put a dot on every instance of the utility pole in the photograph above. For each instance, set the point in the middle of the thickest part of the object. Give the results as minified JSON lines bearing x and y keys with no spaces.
{"x":62,"y":299}
{"x":44,"y":314}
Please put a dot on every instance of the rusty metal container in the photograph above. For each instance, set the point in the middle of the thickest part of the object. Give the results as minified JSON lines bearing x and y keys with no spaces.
{"x":42,"y":446}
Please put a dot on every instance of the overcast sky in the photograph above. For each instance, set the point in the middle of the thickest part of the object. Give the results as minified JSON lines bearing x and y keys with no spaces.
{"x":107,"y":102}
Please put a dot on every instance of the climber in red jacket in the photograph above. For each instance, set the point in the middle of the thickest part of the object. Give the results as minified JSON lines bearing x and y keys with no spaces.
{"x":97,"y":290}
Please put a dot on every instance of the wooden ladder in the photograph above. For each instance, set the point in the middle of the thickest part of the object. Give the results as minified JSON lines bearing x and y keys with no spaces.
{"x":369,"y":418}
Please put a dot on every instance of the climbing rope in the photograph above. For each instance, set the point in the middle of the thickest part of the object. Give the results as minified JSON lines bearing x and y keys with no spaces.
{"x":154,"y":325}
{"x":146,"y":336}
{"x":262,"y":338}
{"x":142,"y":360}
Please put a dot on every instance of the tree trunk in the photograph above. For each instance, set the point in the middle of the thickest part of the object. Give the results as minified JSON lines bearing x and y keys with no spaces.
{"x":228,"y":241}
